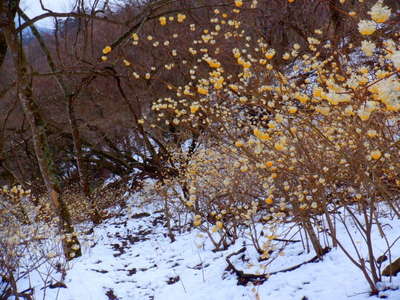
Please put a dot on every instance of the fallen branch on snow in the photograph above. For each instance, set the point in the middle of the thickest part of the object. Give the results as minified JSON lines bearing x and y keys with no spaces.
{"x":244,"y":278}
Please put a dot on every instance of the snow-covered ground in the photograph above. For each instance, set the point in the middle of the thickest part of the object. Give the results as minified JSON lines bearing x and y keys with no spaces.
{"x":133,"y":258}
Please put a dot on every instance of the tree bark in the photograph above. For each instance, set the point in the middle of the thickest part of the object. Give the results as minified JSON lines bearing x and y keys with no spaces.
{"x":313,"y":238}
{"x":38,"y":127}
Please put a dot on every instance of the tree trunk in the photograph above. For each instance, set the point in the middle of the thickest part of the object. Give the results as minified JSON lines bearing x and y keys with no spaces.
{"x":3,"y":48}
{"x":78,"y":148}
{"x":313,"y":238}
{"x":95,"y":215}
{"x":70,"y":97}
{"x":38,"y":127}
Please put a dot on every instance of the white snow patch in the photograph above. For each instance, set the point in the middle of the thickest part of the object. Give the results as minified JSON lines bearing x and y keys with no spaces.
{"x":135,"y":259}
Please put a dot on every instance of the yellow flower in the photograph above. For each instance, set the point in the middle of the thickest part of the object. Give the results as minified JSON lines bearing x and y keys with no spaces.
{"x":270,"y":54}
{"x":376,"y":154}
{"x":217,"y":86}
{"x":197,"y":220}
{"x":194,"y":108}
{"x":234,"y":87}
{"x":126,"y":63}
{"x":104,"y":58}
{"x":366,"y":27}
{"x":219,"y":225}
{"x":243,"y":99}
{"x":323,"y":110}
{"x":181,"y":18}
{"x":368,"y":48}
{"x":364,"y":115}
{"x":392,"y":106}
{"x":269,"y":163}
{"x":107,"y":50}
{"x":317,"y":92}
{"x":263,"y":136}
{"x":380,"y":13}
{"x":279,"y":146}
{"x":286,"y":56}
{"x":239,"y":143}
{"x":187,"y":92}
{"x":244,"y":168}
{"x":279,"y":118}
{"x":135,"y":36}
{"x":292,"y":109}
{"x":303,"y":98}
{"x":349,"y":110}
{"x":219,"y":83}
{"x":269,"y":200}
{"x":201,"y":90}
{"x":238,"y":3}
{"x":236,"y":53}
{"x":395,"y":57}
{"x":214,"y":64}
{"x":163,"y":21}
{"x":372,"y":133}
{"x":246,"y":65}
{"x":272,"y":124}
{"x":243,"y":63}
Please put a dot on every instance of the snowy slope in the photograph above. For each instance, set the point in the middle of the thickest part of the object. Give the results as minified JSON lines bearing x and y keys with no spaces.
{"x":134,"y":259}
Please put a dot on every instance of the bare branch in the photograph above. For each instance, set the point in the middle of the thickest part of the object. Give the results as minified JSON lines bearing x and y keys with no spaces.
{"x":65,"y":15}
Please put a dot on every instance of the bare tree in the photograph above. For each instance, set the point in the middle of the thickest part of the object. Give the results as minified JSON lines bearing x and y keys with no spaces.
{"x":44,"y":155}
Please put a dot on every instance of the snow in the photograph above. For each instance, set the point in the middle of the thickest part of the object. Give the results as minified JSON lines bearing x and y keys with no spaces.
{"x":133,"y":258}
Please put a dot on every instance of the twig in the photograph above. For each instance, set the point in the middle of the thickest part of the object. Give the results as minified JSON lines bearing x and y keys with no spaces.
{"x":244,"y":278}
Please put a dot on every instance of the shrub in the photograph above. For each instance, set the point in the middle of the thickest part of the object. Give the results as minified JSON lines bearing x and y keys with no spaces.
{"x":295,"y":136}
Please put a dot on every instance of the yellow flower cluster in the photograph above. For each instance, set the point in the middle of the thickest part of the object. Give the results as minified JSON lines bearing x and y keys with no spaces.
{"x":380,"y":13}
